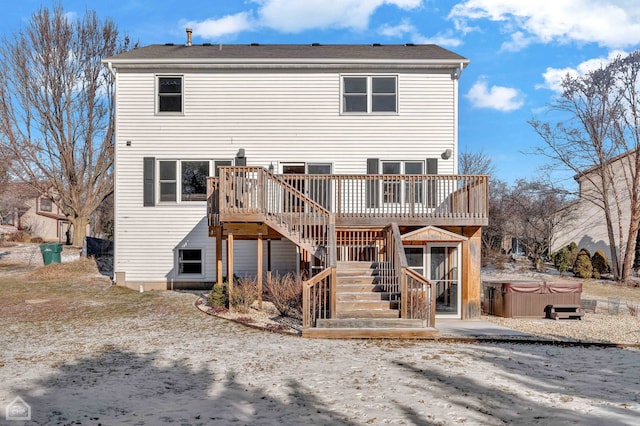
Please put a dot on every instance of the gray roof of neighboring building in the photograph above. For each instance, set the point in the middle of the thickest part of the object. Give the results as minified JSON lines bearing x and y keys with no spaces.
{"x":290,"y":53}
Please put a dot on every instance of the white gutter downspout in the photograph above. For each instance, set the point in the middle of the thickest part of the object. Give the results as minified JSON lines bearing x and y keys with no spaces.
{"x":111,"y":70}
{"x":457,"y":74}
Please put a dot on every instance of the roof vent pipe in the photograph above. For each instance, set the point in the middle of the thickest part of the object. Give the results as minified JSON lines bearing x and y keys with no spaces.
{"x":189,"y":32}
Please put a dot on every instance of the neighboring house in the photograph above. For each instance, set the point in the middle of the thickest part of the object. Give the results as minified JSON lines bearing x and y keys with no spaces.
{"x":585,"y":222}
{"x":26,"y":209}
{"x":296,"y":158}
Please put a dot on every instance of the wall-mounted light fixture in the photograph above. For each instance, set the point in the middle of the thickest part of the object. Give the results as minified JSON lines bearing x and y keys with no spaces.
{"x":128,"y":143}
{"x":446,"y":154}
{"x":271,"y":167}
{"x":241,"y":160}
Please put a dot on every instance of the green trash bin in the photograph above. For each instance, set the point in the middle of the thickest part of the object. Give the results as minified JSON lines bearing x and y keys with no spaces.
{"x":51,"y":252}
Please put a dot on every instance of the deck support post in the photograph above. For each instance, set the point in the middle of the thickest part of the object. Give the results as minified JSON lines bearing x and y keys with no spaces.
{"x":230,"y":268}
{"x":259,"y":273}
{"x":219,"y":255}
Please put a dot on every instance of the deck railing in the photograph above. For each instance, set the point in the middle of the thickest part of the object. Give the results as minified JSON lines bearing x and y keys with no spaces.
{"x":358,"y":200}
{"x":257,"y":194}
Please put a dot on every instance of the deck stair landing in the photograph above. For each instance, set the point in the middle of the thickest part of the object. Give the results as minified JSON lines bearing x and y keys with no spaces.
{"x":365,"y":309}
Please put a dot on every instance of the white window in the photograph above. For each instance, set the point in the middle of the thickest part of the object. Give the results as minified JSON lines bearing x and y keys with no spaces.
{"x":169,"y":94}
{"x":188,"y":178}
{"x":190,"y":261}
{"x":369,"y":94}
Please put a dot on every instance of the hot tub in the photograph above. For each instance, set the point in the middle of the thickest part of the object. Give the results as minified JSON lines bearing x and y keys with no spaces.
{"x":527,"y":299}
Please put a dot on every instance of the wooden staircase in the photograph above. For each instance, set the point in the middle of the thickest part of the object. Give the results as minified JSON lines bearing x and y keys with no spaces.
{"x":366,"y":308}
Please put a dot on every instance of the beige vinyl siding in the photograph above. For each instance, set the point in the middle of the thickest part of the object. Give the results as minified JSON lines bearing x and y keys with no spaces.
{"x":275,"y":117}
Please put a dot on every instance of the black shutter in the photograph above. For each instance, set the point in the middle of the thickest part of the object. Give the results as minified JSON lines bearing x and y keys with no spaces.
{"x":432,"y":166}
{"x":432,"y":186}
{"x":149,"y":181}
{"x":371,"y":188}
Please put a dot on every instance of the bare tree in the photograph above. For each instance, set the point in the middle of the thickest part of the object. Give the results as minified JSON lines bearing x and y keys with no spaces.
{"x":56,"y":109}
{"x":600,"y":128}
{"x":536,"y":210}
{"x":475,"y":163}
{"x":479,"y":163}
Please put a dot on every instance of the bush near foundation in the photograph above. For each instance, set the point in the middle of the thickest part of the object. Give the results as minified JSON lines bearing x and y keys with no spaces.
{"x":219,"y":296}
{"x":583,"y":267}
{"x":600,"y":264}
{"x":244,"y":293}
{"x":285,"y":292}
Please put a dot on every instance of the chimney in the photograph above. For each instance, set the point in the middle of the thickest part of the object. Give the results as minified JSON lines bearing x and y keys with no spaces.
{"x":189,"y":32}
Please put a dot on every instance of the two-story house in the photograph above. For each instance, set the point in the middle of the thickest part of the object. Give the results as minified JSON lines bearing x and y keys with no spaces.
{"x":23,"y":207}
{"x":238,"y":160}
{"x":584,"y":220}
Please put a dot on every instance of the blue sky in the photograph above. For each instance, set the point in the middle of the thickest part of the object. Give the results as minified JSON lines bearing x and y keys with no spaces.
{"x":519,"y":50}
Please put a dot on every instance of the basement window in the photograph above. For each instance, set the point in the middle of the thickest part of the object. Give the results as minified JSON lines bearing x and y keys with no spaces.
{"x":190,"y":261}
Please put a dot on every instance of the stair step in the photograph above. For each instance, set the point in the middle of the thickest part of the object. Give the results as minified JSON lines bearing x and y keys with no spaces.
{"x":367,"y":313}
{"x":358,"y":279}
{"x":359,"y":287}
{"x":371,"y":333}
{"x":351,"y":305}
{"x":361,"y":296}
{"x":369,"y":323}
{"x":342,"y":266}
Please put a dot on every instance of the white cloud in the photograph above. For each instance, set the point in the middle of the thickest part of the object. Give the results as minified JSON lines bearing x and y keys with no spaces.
{"x":294,"y":16}
{"x":553,"y":76}
{"x":407,"y":30}
{"x":610,"y":23}
{"x":227,"y":25}
{"x":497,"y":97}
{"x":518,"y":42}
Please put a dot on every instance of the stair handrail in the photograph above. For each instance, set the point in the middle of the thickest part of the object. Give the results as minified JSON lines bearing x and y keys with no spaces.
{"x":416,"y":292}
{"x":311,"y":222}
{"x":319,"y":297}
{"x":294,"y":191}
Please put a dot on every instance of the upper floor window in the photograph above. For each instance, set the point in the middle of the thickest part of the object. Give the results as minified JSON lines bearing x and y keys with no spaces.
{"x":369,"y":94}
{"x":170,"y":94}
{"x":46,"y":205}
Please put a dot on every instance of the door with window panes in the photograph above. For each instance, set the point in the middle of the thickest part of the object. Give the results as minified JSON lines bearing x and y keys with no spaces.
{"x":440,"y":264}
{"x":404,"y":190}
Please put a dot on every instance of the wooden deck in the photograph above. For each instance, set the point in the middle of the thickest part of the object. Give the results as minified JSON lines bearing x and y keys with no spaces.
{"x":346,"y":222}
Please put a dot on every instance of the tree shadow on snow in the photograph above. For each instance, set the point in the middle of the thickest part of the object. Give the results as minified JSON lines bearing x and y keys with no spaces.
{"x":116,"y":387}
{"x":536,"y":387}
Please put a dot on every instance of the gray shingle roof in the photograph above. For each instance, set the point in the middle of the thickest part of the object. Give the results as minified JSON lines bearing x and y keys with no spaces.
{"x":288,"y":52}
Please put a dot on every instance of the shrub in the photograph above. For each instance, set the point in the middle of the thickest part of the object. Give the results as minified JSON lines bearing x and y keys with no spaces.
{"x":285,"y":292}
{"x":572,"y":253}
{"x":561,"y":260}
{"x":19,"y":237}
{"x":36,"y":240}
{"x":600,"y":264}
{"x":219,"y":296}
{"x":244,"y":293}
{"x":583,"y":267}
